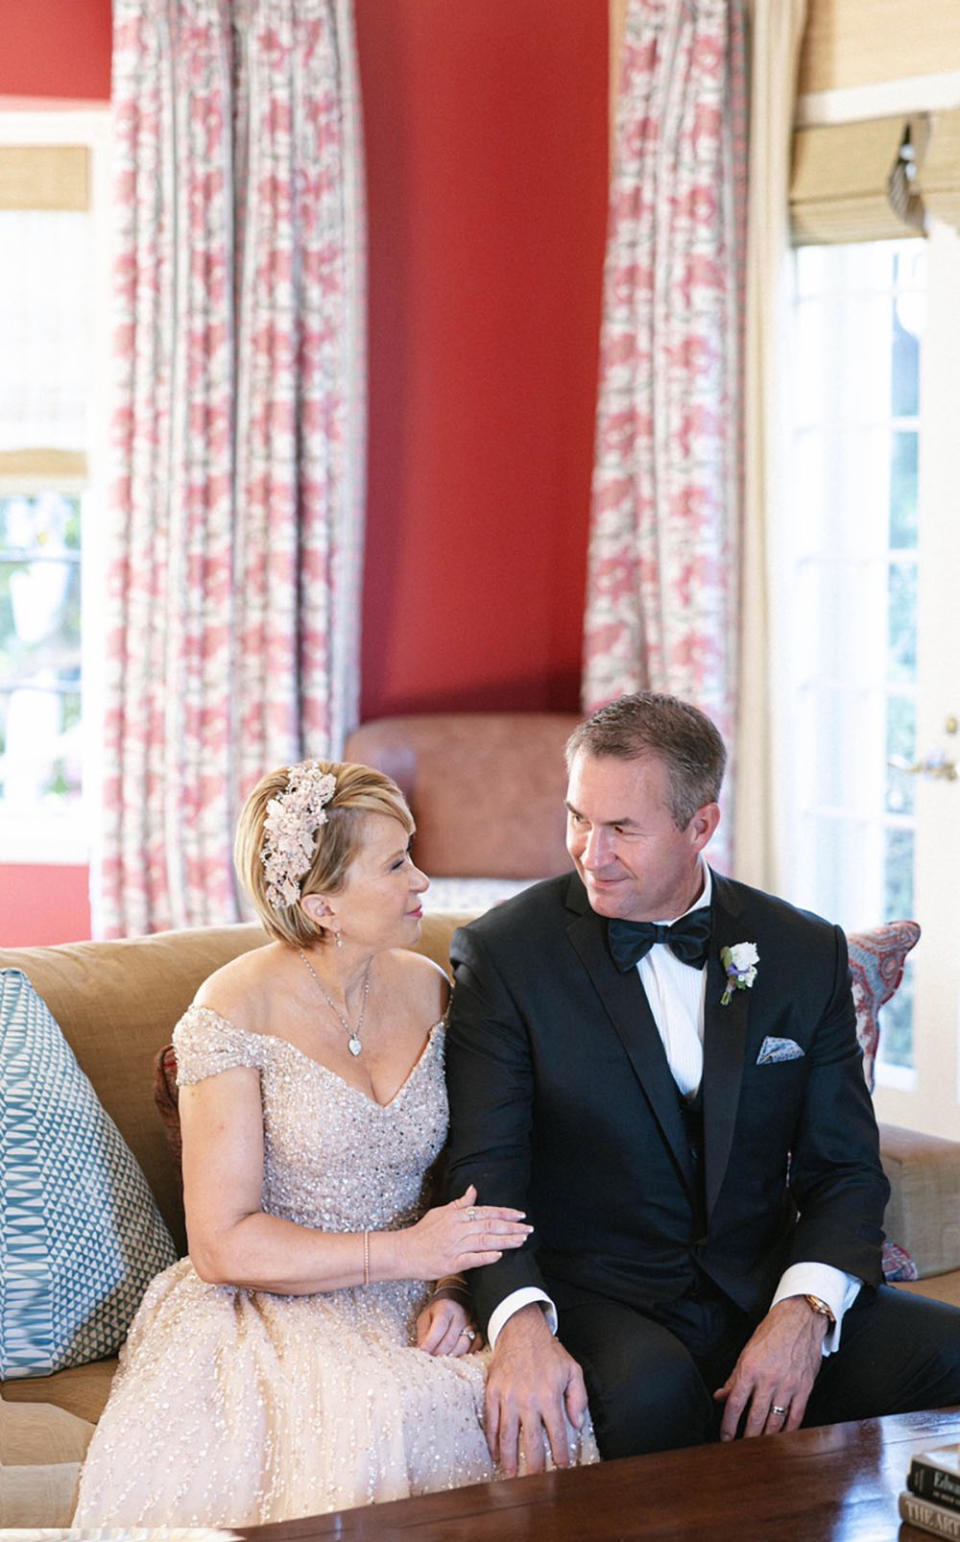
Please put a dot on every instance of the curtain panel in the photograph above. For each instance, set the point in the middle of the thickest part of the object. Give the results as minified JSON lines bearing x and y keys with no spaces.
{"x":664,"y":555}
{"x":776,"y":33}
{"x":236,"y":526}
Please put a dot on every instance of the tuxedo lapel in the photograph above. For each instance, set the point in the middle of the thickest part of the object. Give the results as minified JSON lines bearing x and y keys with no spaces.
{"x":626,"y":1004}
{"x":724,"y":1041}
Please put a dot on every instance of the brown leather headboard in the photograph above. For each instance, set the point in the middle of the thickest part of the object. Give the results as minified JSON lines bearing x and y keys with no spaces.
{"x":486,"y":788}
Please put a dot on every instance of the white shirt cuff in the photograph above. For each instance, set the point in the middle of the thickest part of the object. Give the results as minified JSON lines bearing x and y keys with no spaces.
{"x":837,"y":1289}
{"x":513,"y":1303}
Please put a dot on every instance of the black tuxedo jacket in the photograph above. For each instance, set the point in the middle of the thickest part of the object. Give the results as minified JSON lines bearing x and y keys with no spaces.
{"x":562,"y":1104}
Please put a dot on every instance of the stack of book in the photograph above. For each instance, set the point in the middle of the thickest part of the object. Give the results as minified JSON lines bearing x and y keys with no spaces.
{"x":931,"y":1499}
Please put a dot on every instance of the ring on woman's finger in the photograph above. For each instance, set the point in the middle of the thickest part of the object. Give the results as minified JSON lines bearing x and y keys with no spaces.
{"x":778,"y":1410}
{"x":471,"y":1212}
{"x":468,"y":1333}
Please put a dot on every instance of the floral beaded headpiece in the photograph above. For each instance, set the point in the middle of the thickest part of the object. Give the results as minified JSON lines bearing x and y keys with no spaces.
{"x":293,"y":818}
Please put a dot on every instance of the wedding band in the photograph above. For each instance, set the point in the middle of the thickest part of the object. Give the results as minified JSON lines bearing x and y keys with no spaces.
{"x":468,"y":1333}
{"x":778,"y":1410}
{"x":471,"y":1213}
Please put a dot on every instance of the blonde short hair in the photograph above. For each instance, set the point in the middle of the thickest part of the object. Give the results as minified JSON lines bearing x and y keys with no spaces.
{"x":360,"y":790}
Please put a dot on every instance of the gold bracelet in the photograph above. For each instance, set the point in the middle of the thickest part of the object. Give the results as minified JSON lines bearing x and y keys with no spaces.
{"x":366,"y":1258}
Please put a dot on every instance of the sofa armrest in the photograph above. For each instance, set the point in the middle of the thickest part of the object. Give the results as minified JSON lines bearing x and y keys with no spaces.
{"x":923,"y":1215}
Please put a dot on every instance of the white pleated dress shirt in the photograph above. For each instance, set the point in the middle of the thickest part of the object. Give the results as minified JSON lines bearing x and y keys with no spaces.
{"x":676,"y":993}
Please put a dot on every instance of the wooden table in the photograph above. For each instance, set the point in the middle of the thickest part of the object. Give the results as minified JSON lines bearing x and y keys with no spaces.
{"x":839,"y":1483}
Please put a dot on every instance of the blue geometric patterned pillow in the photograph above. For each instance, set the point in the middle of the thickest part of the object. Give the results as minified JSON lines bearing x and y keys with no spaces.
{"x":81,"y":1237}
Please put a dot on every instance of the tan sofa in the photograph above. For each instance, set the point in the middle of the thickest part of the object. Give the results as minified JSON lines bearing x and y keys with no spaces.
{"x":117,"y":1003}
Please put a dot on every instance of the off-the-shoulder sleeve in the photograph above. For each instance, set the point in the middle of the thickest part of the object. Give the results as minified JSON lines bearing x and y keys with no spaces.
{"x":206,"y":1044}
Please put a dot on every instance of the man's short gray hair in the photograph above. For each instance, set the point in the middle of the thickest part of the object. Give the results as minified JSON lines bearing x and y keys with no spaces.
{"x":650,"y":723}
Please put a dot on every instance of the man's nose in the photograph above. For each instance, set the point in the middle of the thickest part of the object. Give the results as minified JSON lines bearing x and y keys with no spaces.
{"x":596,"y":850}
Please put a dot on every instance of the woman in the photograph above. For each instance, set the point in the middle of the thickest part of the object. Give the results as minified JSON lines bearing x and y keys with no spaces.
{"x":296,"y":1362}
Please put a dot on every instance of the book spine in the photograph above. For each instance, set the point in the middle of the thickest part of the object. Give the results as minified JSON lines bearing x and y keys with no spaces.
{"x":931,"y":1482}
{"x":929,"y":1517}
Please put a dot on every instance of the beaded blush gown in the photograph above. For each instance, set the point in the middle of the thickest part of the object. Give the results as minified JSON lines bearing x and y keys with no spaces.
{"x":235,"y":1407}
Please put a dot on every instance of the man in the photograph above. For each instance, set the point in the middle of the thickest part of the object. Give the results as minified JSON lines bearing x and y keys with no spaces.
{"x":683,"y":1116}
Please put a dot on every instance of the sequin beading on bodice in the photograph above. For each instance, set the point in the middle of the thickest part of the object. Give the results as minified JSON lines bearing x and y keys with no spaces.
{"x":333,"y":1157}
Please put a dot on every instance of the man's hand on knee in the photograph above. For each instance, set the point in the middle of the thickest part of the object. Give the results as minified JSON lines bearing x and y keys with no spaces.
{"x":775,"y":1373}
{"x":532,"y":1383}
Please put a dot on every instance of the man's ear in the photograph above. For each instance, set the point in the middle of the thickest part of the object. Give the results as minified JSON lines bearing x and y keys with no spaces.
{"x":703,"y":825}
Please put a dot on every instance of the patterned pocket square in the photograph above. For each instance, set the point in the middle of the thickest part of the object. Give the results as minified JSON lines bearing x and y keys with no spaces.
{"x":774,"y":1050}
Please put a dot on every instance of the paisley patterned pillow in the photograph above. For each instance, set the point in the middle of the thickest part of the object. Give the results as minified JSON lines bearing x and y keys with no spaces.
{"x":876,"y":964}
{"x":877,"y":958}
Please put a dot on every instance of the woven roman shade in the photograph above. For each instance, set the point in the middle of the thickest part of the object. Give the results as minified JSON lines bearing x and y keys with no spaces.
{"x":939,"y":175}
{"x":44,"y":177}
{"x":852,"y":181}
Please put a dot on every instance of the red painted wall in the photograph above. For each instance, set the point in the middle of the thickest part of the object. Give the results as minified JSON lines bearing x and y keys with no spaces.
{"x":485,"y":125}
{"x":55,"y":48}
{"x":43,"y":904}
{"x":485,"y":129}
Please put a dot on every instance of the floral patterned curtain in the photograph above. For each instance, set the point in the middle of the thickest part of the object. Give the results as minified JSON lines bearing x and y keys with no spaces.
{"x":235,"y":541}
{"x":663,"y":584}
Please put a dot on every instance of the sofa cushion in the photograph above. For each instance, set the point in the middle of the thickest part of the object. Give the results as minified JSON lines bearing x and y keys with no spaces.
{"x":876,"y":964}
{"x":82,"y":1236}
{"x":82,"y":1391}
{"x":34,"y":1499}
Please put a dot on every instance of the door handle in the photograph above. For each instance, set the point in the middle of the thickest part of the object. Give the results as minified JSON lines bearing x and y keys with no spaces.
{"x":937,"y":765}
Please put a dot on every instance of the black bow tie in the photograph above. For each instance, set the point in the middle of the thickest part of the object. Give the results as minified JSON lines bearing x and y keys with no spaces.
{"x":689,"y":937}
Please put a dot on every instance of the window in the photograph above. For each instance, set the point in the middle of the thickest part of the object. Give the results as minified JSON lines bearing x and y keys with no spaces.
{"x":858,"y":325}
{"x":53,"y":285}
{"x":40,"y":652}
{"x":866,"y":563}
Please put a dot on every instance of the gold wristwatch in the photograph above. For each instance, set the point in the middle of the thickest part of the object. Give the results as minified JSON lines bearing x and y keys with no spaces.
{"x":821,"y":1308}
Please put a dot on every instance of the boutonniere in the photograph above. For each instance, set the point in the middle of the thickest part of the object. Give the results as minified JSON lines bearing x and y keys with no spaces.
{"x":740,"y":963}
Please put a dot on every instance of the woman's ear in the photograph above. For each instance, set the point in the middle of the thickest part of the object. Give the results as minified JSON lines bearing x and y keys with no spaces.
{"x":316,"y":909}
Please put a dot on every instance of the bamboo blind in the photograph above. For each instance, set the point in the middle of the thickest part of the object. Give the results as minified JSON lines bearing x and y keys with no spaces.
{"x":44,"y":177}
{"x":838,"y":185}
{"x":865,"y":42}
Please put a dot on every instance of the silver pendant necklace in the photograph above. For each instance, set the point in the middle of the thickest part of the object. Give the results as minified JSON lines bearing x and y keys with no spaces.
{"x":353,"y":1034}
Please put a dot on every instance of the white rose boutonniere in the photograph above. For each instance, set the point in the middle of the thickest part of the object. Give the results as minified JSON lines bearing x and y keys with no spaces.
{"x":740,"y":963}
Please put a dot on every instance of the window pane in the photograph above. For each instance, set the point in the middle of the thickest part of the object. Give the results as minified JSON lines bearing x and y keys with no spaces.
{"x":896,"y":1024}
{"x":39,"y":623}
{"x":46,"y":286}
{"x":40,"y":654}
{"x":901,"y":745}
{"x":898,"y":876}
{"x":902,"y":623}
{"x":903,"y":489}
{"x":39,"y":748}
{"x":49,"y":522}
{"x":905,"y":356}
